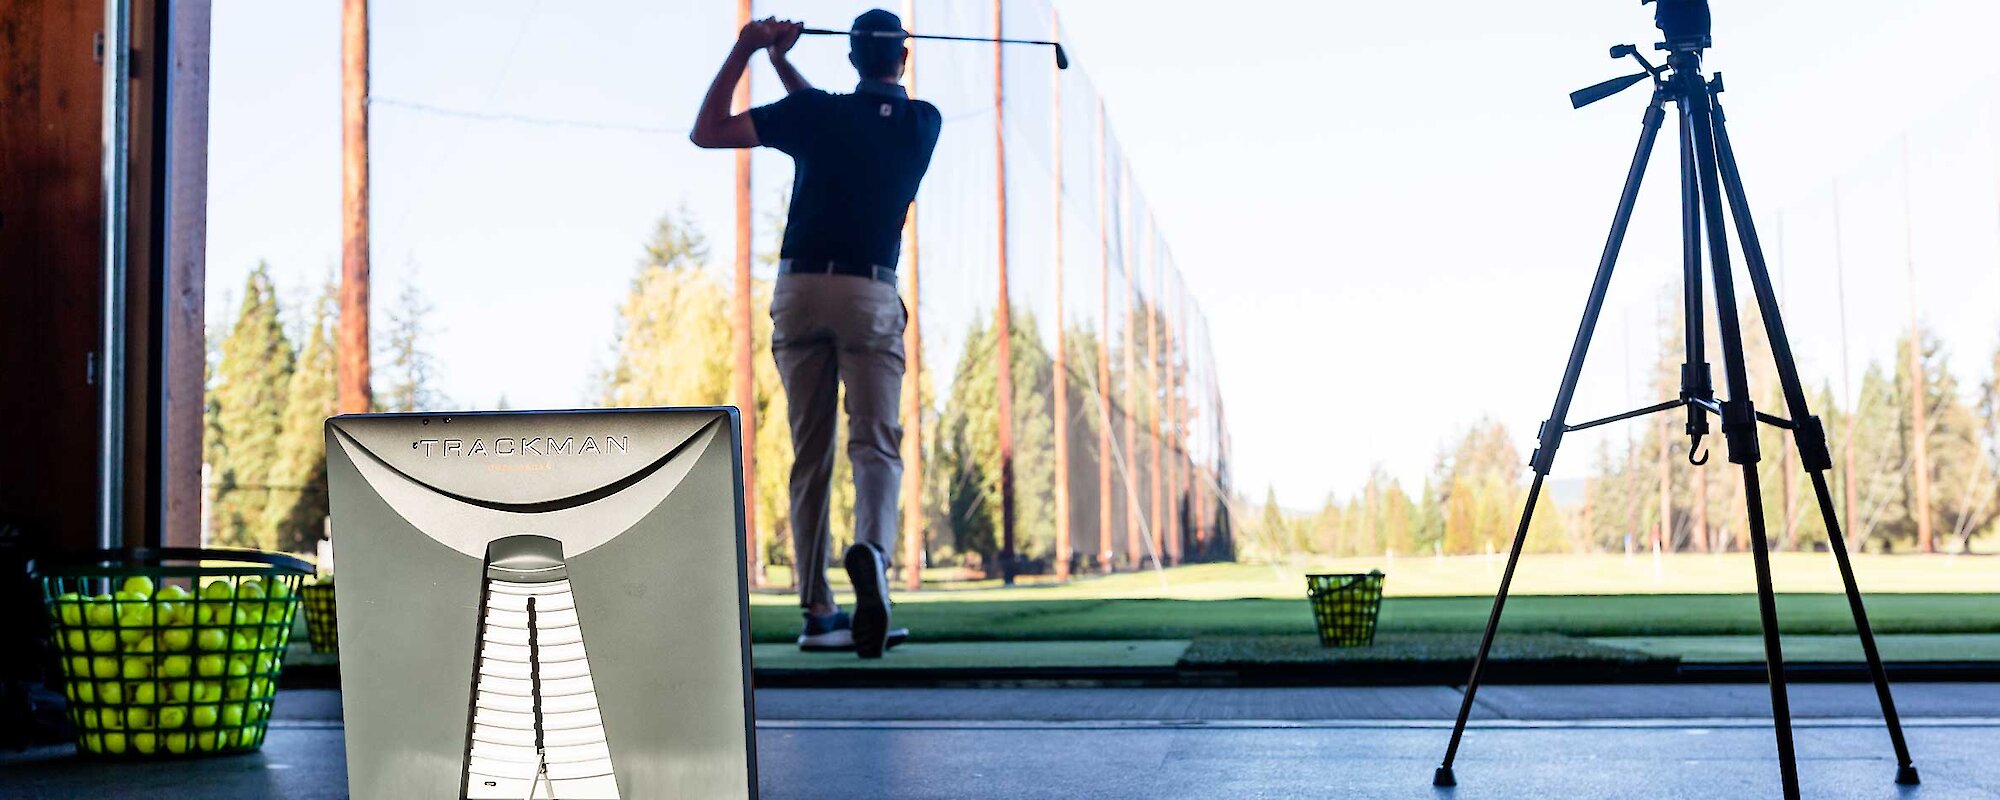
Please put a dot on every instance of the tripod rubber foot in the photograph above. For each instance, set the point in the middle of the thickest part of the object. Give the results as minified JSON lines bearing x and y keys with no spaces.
{"x":1906,"y":775}
{"x":1443,"y":777}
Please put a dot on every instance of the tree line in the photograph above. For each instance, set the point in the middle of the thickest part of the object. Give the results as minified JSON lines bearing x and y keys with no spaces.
{"x":1898,"y":486}
{"x":270,"y":389}
{"x":271,"y":386}
{"x":668,"y":349}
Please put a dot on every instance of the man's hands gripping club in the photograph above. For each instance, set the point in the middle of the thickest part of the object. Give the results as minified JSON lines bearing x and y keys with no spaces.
{"x":714,"y":125}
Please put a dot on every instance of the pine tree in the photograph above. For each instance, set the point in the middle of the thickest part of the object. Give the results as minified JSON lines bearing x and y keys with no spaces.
{"x":967,"y":459}
{"x":253,"y":376}
{"x":407,"y":367}
{"x":298,"y":509}
{"x":1880,"y":454}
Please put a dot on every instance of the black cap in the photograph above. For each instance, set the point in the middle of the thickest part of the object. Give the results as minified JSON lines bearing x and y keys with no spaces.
{"x":875,"y":53}
{"x":877,"y":20}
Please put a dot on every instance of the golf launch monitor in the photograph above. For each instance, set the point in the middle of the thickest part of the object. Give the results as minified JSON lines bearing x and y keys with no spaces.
{"x":543,"y":604}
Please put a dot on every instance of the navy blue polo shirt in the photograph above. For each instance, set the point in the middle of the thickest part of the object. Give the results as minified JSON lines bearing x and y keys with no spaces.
{"x":858,"y":159}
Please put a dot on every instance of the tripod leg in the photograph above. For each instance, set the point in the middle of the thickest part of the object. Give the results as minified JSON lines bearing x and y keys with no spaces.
{"x":1767,"y":612}
{"x":1444,"y":776}
{"x":1696,"y":383}
{"x":1553,"y":427}
{"x":1739,"y":415}
{"x":1810,"y":438}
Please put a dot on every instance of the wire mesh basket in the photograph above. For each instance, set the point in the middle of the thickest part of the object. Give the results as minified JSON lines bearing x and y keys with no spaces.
{"x":171,"y":652}
{"x":1345,"y":607}
{"x":322,"y":619}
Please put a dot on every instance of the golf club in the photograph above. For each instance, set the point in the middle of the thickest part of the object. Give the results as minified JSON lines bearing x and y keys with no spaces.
{"x":1062,"y":59}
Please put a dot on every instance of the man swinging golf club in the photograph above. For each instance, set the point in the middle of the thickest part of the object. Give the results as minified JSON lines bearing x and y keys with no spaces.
{"x":836,"y":318}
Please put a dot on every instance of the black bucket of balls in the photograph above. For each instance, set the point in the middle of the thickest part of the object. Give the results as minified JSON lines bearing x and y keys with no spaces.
{"x":1345,"y":607}
{"x":171,"y":652}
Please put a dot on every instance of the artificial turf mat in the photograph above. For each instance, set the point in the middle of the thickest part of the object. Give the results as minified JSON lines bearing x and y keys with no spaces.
{"x":942,"y":620}
{"x":1405,"y":649}
{"x":1144,"y":653}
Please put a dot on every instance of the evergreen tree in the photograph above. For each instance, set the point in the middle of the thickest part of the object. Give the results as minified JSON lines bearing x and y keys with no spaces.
{"x":408,"y":369}
{"x":1880,"y":454}
{"x":253,"y":375}
{"x":298,"y":508}
{"x":966,"y":462}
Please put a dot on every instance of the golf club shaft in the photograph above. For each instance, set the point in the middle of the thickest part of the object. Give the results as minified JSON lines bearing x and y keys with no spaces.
{"x":938,"y":37}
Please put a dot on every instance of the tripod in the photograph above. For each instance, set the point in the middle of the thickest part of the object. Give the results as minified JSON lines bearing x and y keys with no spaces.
{"x":1709,"y":175}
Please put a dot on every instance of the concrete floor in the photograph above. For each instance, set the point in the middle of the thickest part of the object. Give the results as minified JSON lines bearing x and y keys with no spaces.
{"x":1544,"y":741}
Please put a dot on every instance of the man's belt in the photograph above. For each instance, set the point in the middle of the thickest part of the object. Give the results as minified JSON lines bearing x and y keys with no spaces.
{"x":803,"y":266}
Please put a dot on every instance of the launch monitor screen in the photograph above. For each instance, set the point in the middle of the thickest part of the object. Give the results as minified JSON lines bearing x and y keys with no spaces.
{"x":542,"y":604}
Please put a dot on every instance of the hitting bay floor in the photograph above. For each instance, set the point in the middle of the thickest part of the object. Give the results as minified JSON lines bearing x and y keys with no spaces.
{"x":1653,"y":741}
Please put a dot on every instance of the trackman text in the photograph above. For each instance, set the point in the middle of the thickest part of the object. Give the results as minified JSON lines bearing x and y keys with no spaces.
{"x":527,"y":445}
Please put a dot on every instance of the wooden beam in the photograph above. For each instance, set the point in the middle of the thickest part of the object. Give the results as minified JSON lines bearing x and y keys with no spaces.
{"x":50,"y":194}
{"x":183,"y":314}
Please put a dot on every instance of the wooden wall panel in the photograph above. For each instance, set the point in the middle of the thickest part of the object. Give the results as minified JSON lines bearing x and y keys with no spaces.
{"x":50,"y":88}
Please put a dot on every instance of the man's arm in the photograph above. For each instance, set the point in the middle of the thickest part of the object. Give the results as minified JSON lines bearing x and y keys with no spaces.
{"x":788,"y":35}
{"x":714,"y":126}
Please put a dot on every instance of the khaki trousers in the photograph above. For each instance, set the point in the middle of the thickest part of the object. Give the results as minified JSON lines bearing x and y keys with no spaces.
{"x":826,"y":331}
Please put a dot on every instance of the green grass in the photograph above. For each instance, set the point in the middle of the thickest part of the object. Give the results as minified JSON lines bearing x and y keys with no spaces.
{"x":1601,"y":574}
{"x":934,"y":620}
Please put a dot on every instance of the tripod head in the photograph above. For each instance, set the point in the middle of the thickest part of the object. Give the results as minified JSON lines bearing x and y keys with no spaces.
{"x":1591,"y":94}
{"x":1686,"y":25}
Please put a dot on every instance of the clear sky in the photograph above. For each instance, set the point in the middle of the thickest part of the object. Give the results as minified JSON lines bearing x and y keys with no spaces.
{"x":1387,"y":210}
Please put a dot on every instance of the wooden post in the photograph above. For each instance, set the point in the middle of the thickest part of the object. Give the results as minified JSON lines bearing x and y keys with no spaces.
{"x":1154,"y":398}
{"x":351,"y":384}
{"x":1176,"y":392}
{"x":1847,"y":475}
{"x":1134,"y":548}
{"x":186,"y":272}
{"x":1919,"y":429}
{"x":913,"y":358}
{"x":1105,"y":494}
{"x":1788,"y":477}
{"x":1003,"y":313}
{"x":745,"y":390}
{"x":1061,"y":360}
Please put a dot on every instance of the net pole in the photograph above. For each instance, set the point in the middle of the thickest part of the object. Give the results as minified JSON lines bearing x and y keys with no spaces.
{"x":1152,"y":306}
{"x":1104,"y":490}
{"x":745,"y":389}
{"x":913,"y":355}
{"x":1061,"y":361}
{"x":1003,"y":312}
{"x":1133,"y":547}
